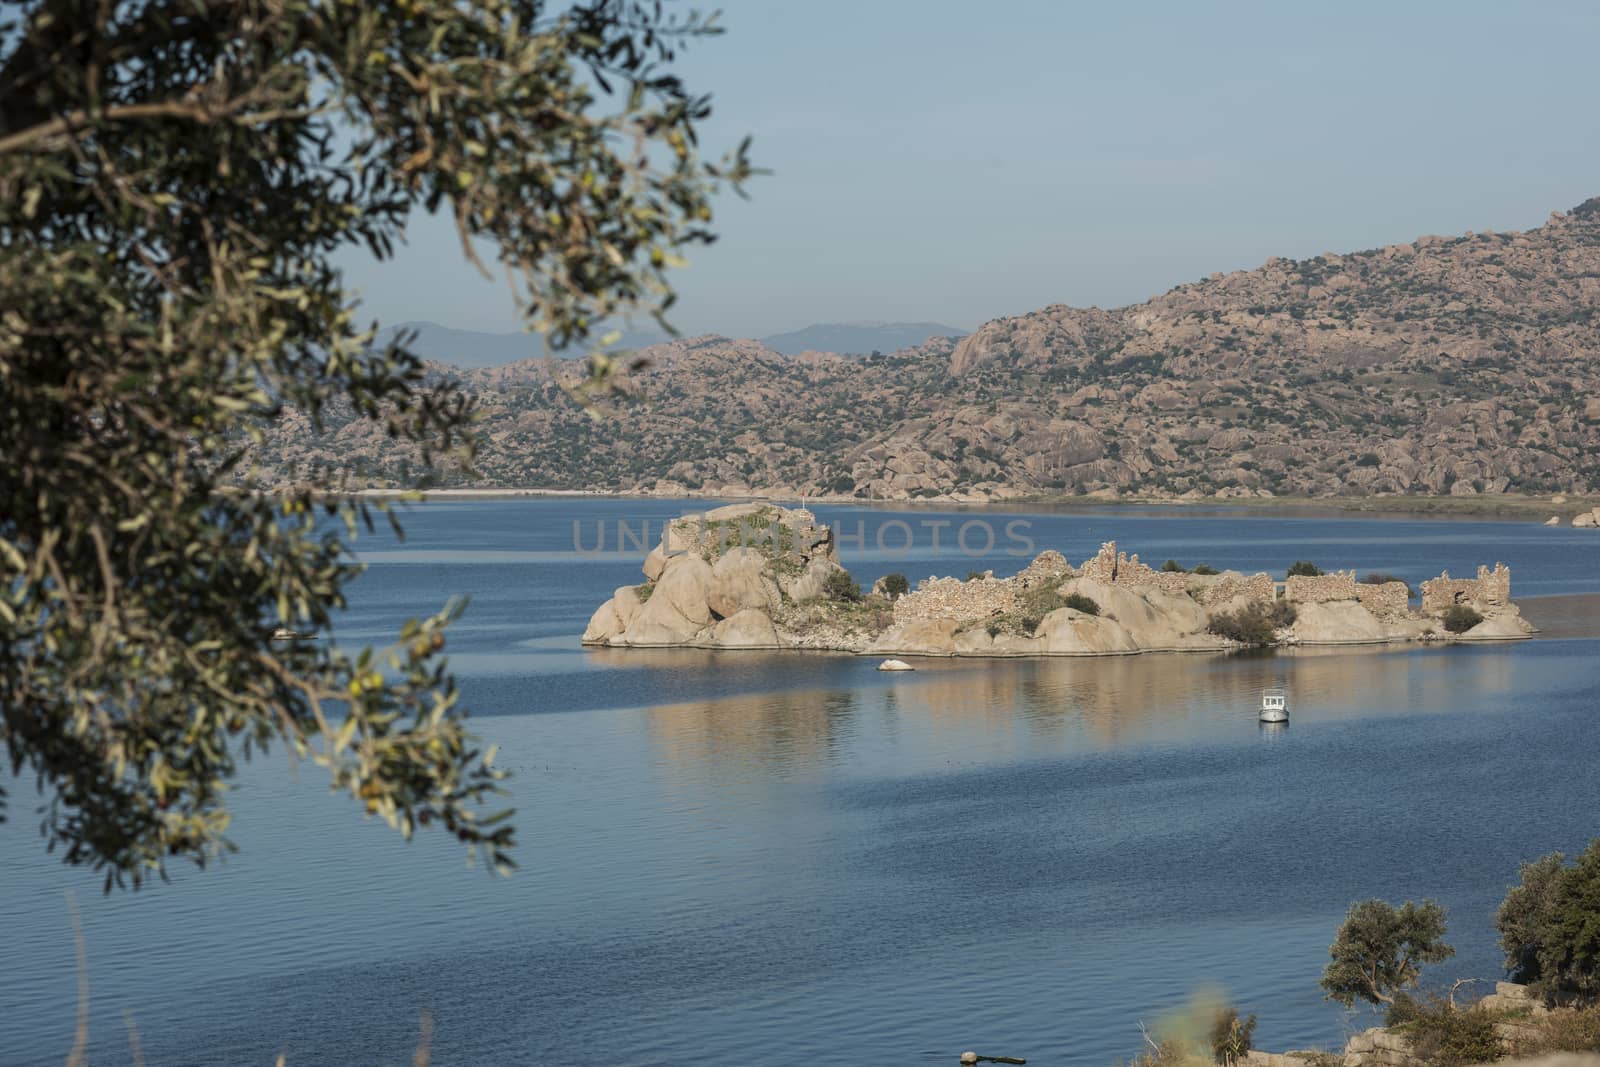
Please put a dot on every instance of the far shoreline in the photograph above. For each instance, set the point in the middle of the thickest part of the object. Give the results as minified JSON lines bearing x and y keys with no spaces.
{"x":1499,"y":507}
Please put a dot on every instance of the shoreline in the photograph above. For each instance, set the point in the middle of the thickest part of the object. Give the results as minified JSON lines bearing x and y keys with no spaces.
{"x":1500,"y":507}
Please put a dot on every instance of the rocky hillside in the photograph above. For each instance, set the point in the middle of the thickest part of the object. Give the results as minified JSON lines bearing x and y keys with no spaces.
{"x":1456,"y":365}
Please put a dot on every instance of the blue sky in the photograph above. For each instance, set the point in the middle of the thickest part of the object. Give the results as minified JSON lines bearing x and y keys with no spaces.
{"x":956,"y":162}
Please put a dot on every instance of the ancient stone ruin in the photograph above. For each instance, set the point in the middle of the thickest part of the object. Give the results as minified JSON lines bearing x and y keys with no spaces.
{"x":1490,"y":589}
{"x":1385,"y":598}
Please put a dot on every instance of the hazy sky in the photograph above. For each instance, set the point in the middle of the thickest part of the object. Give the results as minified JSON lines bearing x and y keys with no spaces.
{"x":956,"y":162}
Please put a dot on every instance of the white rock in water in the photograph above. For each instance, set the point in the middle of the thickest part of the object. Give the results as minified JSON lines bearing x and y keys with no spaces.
{"x":969,"y":1057}
{"x":1554,"y":520}
{"x":895,"y":665}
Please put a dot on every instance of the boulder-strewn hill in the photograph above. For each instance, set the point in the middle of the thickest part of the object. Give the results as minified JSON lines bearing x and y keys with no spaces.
{"x":1444,"y":365}
{"x":858,"y":338}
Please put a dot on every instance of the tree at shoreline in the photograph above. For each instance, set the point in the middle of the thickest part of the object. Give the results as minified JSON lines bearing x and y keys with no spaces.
{"x":176,"y":177}
{"x":1379,"y":950}
{"x":1550,"y":925}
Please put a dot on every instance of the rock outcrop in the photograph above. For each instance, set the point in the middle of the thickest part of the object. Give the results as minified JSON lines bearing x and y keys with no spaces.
{"x":758,"y":575}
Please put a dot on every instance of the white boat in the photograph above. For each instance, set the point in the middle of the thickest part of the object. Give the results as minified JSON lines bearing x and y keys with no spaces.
{"x":1274,"y":705}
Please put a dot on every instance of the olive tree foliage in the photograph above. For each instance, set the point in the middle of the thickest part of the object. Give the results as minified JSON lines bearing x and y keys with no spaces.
{"x":1550,"y":925}
{"x":175,"y":176}
{"x":1379,"y":950}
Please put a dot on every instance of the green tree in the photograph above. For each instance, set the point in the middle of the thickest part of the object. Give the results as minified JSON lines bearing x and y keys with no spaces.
{"x":896,"y":584}
{"x":1550,"y":924}
{"x":1525,"y":917}
{"x":1572,"y":954}
{"x":1459,"y":618}
{"x":175,"y":179}
{"x":1379,"y":950}
{"x":1304,"y":568}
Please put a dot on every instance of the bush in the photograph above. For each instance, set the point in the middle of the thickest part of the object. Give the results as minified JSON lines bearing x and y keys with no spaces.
{"x":840,"y":586}
{"x":644,"y":591}
{"x":1459,"y":618}
{"x":1231,"y":1036}
{"x":1378,"y":578}
{"x":1443,"y":1036}
{"x":1255,"y":625}
{"x":1081,"y":603}
{"x":1172,"y":566}
{"x":976,"y":576}
{"x":1304,"y":568}
{"x":896,"y":585}
{"x":1569,"y":1030}
{"x":1403,"y":1010}
{"x":1205,"y":568}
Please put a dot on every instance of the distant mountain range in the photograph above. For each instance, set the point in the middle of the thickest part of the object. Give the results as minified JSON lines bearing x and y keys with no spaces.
{"x":474,"y":350}
{"x":1440,"y":365}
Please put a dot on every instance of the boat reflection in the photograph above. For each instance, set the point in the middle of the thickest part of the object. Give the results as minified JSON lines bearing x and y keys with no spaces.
{"x":1009,"y":708}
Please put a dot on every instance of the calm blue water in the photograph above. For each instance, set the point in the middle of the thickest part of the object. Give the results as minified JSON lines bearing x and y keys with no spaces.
{"x":763,"y":858}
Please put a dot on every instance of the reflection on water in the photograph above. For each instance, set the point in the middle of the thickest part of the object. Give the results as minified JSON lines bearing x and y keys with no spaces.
{"x":771,"y":732}
{"x":1010,"y":707}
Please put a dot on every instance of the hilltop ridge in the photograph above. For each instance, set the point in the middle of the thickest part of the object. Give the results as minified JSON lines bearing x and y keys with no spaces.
{"x":1441,"y":365}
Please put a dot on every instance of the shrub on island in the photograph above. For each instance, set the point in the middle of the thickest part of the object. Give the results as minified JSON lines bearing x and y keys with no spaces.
{"x":1459,"y":618}
{"x":840,"y":586}
{"x":1079,"y":602}
{"x":1254,"y":625}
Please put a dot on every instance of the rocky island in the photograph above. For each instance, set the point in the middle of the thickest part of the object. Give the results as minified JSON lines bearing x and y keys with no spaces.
{"x":760,"y":576}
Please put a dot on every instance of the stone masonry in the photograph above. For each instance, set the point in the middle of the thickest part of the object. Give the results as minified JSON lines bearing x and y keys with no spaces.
{"x":951,"y":598}
{"x":1491,"y":589}
{"x":1385,"y":598}
{"x":1320,"y":588}
{"x":1119,"y":568}
{"x":979,"y":598}
{"x":1251,"y":586}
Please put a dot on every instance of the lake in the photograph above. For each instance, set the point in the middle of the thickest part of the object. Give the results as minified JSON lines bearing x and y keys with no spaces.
{"x":740,"y":858}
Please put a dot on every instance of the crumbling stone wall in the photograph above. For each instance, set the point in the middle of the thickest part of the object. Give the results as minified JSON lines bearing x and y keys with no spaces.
{"x":1047,"y":566}
{"x":1320,"y":588}
{"x":1490,"y":589}
{"x":1119,"y":568}
{"x":1387,"y":598}
{"x":1255,"y":586}
{"x":951,"y":598}
{"x":979,"y":598}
